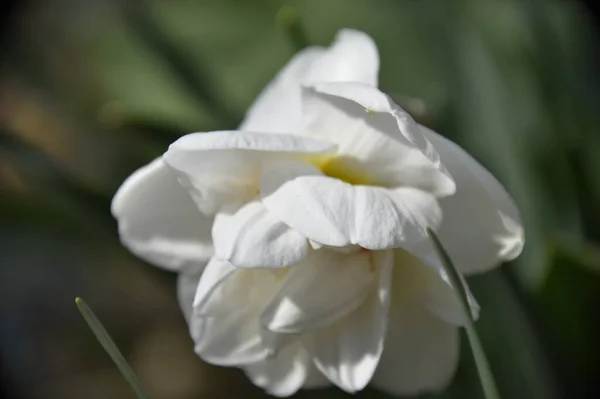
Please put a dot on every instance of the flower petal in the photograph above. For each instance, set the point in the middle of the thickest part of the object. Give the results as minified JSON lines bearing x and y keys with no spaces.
{"x":332,"y":212}
{"x":481,"y":226}
{"x":222,"y":168}
{"x":213,"y":296}
{"x":252,"y":237}
{"x":348,"y":352}
{"x":226,"y":325}
{"x":421,"y":351}
{"x":283,"y":374}
{"x":428,"y":284}
{"x":377,"y":139}
{"x":159,"y":222}
{"x":277,"y":108}
{"x":352,"y":58}
{"x":320,"y":290}
{"x":231,"y":340}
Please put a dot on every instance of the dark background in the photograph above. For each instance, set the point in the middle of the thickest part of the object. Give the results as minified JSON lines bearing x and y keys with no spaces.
{"x":90,"y":90}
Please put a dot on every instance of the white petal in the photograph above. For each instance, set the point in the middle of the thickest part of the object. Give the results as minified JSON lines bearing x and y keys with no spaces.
{"x":159,"y":222}
{"x":222,"y":168}
{"x":252,"y":237}
{"x":213,"y":296}
{"x":481,"y":226}
{"x":332,"y":212}
{"x":352,"y":57}
{"x":378,"y":141}
{"x":428,"y":284}
{"x":348,"y":352}
{"x":420,"y":353}
{"x":226,"y":324}
{"x":320,"y":290}
{"x":277,"y":108}
{"x":231,"y":340}
{"x":283,"y":374}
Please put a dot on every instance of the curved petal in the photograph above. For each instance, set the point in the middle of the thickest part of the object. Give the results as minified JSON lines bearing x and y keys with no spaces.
{"x":348,"y":352}
{"x":352,"y":57}
{"x":277,"y":107}
{"x":252,"y":237}
{"x":226,"y":325}
{"x":378,"y":141}
{"x":221,"y":169}
{"x":332,"y":212}
{"x":320,"y":290}
{"x":234,"y":339}
{"x":481,"y":226}
{"x":283,"y":374}
{"x":159,"y":222}
{"x":428,"y":284}
{"x":421,"y":351}
{"x":214,"y":294}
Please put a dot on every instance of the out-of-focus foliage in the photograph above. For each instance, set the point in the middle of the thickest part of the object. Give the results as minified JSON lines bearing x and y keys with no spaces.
{"x":91,"y":90}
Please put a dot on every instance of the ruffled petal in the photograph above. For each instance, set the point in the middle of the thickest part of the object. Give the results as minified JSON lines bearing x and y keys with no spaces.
{"x":348,"y":352}
{"x":221,"y":169}
{"x":159,"y":222}
{"x":323,"y":288}
{"x":283,"y":374}
{"x":252,"y":237}
{"x":332,"y":212}
{"x":379,"y":143}
{"x":352,"y":57}
{"x":277,"y":108}
{"x":481,"y":226}
{"x":225,"y":324}
{"x":235,"y":339}
{"x":425,"y":281}
{"x":217,"y":290}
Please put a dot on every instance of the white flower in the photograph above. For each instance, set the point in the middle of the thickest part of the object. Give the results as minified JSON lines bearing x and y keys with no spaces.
{"x":322,"y":271}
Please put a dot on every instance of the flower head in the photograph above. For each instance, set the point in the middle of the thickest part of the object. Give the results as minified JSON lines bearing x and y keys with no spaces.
{"x":311,"y":220}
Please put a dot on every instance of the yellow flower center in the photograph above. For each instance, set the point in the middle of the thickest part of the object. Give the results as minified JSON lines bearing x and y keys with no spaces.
{"x":345,"y":169}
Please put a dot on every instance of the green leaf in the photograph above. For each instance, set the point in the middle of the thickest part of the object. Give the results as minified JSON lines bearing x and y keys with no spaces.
{"x":193,"y":77}
{"x":110,"y":348}
{"x":483,"y":368}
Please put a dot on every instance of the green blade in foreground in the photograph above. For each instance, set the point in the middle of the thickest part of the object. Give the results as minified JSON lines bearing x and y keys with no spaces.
{"x":486,"y":377}
{"x":110,"y":347}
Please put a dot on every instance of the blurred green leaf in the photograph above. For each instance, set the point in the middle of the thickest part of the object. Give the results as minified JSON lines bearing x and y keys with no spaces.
{"x":192,"y":77}
{"x":515,"y":342}
{"x":110,"y":348}
{"x":569,"y":300}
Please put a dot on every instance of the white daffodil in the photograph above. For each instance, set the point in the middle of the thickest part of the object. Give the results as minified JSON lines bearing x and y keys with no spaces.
{"x":322,"y":271}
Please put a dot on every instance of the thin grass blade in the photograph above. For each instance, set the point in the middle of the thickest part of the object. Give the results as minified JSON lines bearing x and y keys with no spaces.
{"x":486,"y":376}
{"x":110,"y":348}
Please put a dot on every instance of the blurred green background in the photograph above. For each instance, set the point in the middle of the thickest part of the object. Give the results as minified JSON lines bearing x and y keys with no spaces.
{"x":90,"y":90}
